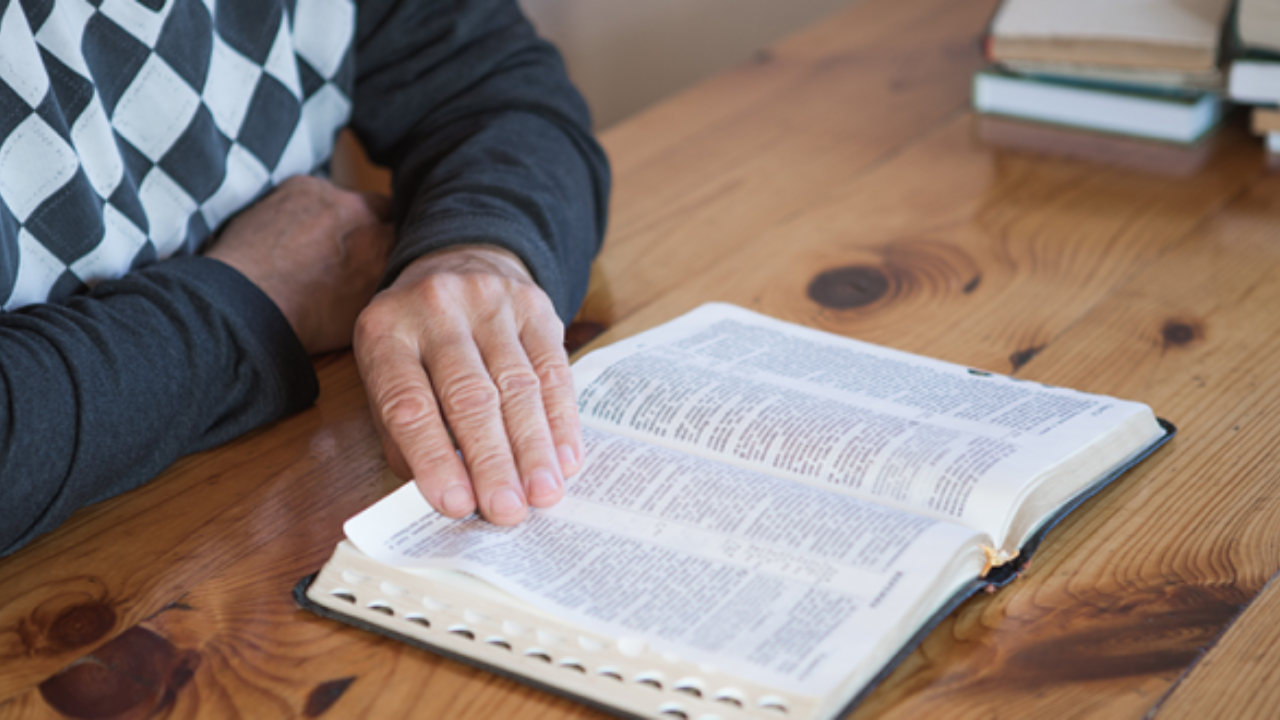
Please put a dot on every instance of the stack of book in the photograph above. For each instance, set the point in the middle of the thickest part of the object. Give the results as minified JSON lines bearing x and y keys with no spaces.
{"x":1255,"y":71}
{"x":1140,"y":68}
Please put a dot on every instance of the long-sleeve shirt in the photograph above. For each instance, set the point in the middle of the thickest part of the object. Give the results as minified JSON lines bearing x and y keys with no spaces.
{"x":131,"y":130}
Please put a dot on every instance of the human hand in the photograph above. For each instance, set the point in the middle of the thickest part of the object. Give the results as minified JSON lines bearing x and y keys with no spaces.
{"x":464,"y":340}
{"x":316,"y":250}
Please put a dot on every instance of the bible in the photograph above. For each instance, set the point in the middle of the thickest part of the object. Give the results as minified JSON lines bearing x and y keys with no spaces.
{"x":769,"y":519}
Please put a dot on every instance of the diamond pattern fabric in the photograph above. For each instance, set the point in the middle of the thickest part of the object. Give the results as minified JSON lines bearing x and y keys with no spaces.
{"x":130,"y":130}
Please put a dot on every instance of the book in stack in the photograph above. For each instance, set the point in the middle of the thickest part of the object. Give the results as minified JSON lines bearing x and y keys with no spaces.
{"x":1255,"y":69}
{"x":770,"y":518}
{"x":1139,"y":68}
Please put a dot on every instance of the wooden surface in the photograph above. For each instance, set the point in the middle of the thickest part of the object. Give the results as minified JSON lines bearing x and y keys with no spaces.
{"x":838,"y":181}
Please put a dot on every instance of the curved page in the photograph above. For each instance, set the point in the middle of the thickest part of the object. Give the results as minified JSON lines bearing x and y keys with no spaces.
{"x":916,"y":433}
{"x":775,"y":582}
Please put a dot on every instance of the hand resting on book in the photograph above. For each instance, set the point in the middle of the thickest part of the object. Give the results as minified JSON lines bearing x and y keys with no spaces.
{"x":465,"y":341}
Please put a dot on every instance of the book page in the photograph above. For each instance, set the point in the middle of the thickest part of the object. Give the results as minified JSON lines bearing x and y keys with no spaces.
{"x":910,"y":431}
{"x":772,"y":581}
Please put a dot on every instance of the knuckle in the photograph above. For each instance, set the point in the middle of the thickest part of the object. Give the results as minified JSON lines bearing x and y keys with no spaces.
{"x":435,"y":294}
{"x":305,"y":193}
{"x":555,"y":332}
{"x":490,"y":459}
{"x":536,"y":301}
{"x":561,"y":409}
{"x":437,"y":455}
{"x":327,"y":213}
{"x":555,"y":373}
{"x":542,"y":319}
{"x":516,"y":381}
{"x":373,"y":322}
{"x":345,"y":200}
{"x":531,"y":441}
{"x":524,"y":300}
{"x":530,"y":294}
{"x":492,"y":466}
{"x":494,"y":285}
{"x":489,"y":291}
{"x":468,"y":396}
{"x":405,"y":409}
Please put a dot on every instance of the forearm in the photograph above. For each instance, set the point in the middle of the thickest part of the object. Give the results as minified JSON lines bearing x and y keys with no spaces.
{"x":104,"y":392}
{"x":489,"y":141}
{"x":490,"y":147}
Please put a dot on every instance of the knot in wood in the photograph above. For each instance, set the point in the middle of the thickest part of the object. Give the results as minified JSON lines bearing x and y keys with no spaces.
{"x":135,"y":674}
{"x":81,"y":625}
{"x":324,"y":695}
{"x":1177,"y":333}
{"x":849,"y":287}
{"x":1024,"y":356}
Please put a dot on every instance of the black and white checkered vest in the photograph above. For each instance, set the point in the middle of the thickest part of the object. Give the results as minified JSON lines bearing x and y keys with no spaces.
{"x":131,"y":129}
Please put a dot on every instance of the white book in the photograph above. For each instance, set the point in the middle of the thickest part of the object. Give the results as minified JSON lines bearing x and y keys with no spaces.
{"x":1181,"y":118}
{"x":1254,"y":82}
{"x":1165,"y":35}
{"x":769,"y":519}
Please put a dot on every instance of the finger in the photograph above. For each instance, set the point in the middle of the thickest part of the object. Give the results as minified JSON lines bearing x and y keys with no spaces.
{"x":523,"y":414}
{"x":392,"y":452}
{"x":543,"y":340}
{"x":471,"y":405}
{"x":406,"y":409}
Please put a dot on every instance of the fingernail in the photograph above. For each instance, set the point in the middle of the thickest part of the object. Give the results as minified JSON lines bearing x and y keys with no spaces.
{"x":506,"y":502}
{"x":457,"y":501}
{"x":543,"y":485}
{"x":568,"y":458}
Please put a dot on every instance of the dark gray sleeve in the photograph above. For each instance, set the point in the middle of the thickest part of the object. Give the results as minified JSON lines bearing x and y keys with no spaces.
{"x":106,"y":390}
{"x":488,"y":141}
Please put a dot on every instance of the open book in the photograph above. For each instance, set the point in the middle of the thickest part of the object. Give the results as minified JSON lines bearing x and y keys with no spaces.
{"x":769,"y":519}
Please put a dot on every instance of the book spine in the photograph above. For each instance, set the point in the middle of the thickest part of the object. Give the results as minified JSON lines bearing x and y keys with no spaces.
{"x":1265,"y":120}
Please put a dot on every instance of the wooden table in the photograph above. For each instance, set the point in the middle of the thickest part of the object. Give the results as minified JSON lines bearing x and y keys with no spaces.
{"x":838,"y":180}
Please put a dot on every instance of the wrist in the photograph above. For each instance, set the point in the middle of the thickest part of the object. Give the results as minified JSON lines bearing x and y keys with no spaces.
{"x":477,"y":258}
{"x":263,"y":283}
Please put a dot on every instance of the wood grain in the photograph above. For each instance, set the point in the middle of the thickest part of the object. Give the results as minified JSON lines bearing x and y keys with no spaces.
{"x":1240,"y":678}
{"x":711,"y":169}
{"x":961,"y":231}
{"x":286,"y":489}
{"x":841,"y":183}
{"x":1130,"y":592}
{"x":243,"y":648}
{"x":1107,"y":280}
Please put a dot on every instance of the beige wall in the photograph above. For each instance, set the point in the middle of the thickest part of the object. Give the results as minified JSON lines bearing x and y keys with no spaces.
{"x":627,"y":54}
